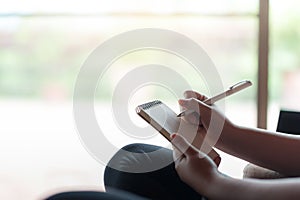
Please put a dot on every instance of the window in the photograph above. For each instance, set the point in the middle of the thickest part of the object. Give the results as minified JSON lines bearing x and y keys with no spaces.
{"x":43,"y":45}
{"x":284,"y":59}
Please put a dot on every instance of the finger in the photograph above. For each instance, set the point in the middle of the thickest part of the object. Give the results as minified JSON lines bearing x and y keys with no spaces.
{"x":202,"y":109}
{"x":183,"y":146}
{"x":177,"y":154}
{"x":192,"y":118}
{"x":193,"y":94}
{"x":194,"y":104}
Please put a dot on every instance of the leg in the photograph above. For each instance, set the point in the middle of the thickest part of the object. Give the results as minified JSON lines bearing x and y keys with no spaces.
{"x":91,"y":195}
{"x":162,"y":183}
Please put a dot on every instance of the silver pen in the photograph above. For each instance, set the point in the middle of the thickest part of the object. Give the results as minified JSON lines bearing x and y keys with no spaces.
{"x":233,"y":89}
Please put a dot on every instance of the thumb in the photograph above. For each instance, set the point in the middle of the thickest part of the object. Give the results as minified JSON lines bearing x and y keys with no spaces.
{"x":193,"y":94}
{"x":194,"y":104}
{"x":183,"y":145}
{"x":199,"y":107}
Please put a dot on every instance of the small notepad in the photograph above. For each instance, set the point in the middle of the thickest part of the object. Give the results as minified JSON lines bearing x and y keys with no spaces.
{"x":165,"y":121}
{"x":160,"y":116}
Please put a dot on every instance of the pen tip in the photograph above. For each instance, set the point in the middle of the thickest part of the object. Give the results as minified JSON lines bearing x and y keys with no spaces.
{"x":180,"y":115}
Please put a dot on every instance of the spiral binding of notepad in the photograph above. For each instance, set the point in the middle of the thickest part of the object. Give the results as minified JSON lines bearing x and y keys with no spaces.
{"x":150,"y":104}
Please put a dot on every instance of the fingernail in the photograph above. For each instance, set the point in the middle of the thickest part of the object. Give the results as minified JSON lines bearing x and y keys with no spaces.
{"x":173,"y":135}
{"x":182,"y":102}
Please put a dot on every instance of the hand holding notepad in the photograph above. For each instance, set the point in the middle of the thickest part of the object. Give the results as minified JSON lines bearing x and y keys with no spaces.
{"x":166,"y":122}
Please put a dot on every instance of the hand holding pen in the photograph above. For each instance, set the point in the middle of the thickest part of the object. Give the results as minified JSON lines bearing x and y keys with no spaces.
{"x":232,"y":90}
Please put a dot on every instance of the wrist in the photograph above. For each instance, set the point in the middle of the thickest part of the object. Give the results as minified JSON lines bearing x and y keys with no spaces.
{"x":212,"y":185}
{"x":228,"y":130}
{"x":230,"y":127}
{"x":217,"y":186}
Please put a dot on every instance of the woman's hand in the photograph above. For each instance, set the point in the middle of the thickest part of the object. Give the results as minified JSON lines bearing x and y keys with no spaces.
{"x":213,"y":120}
{"x":193,"y":167}
{"x":199,"y":171}
{"x":194,"y":117}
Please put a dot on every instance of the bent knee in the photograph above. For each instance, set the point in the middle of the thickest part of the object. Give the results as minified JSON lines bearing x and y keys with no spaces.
{"x":140,"y":148}
{"x":140,"y":158}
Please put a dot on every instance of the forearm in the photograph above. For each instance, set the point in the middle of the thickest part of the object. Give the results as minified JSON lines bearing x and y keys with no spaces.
{"x":223,"y":187}
{"x":275,"y":151}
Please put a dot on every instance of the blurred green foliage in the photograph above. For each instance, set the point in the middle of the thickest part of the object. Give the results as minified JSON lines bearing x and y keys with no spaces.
{"x":41,"y":56}
{"x":284,"y":43}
